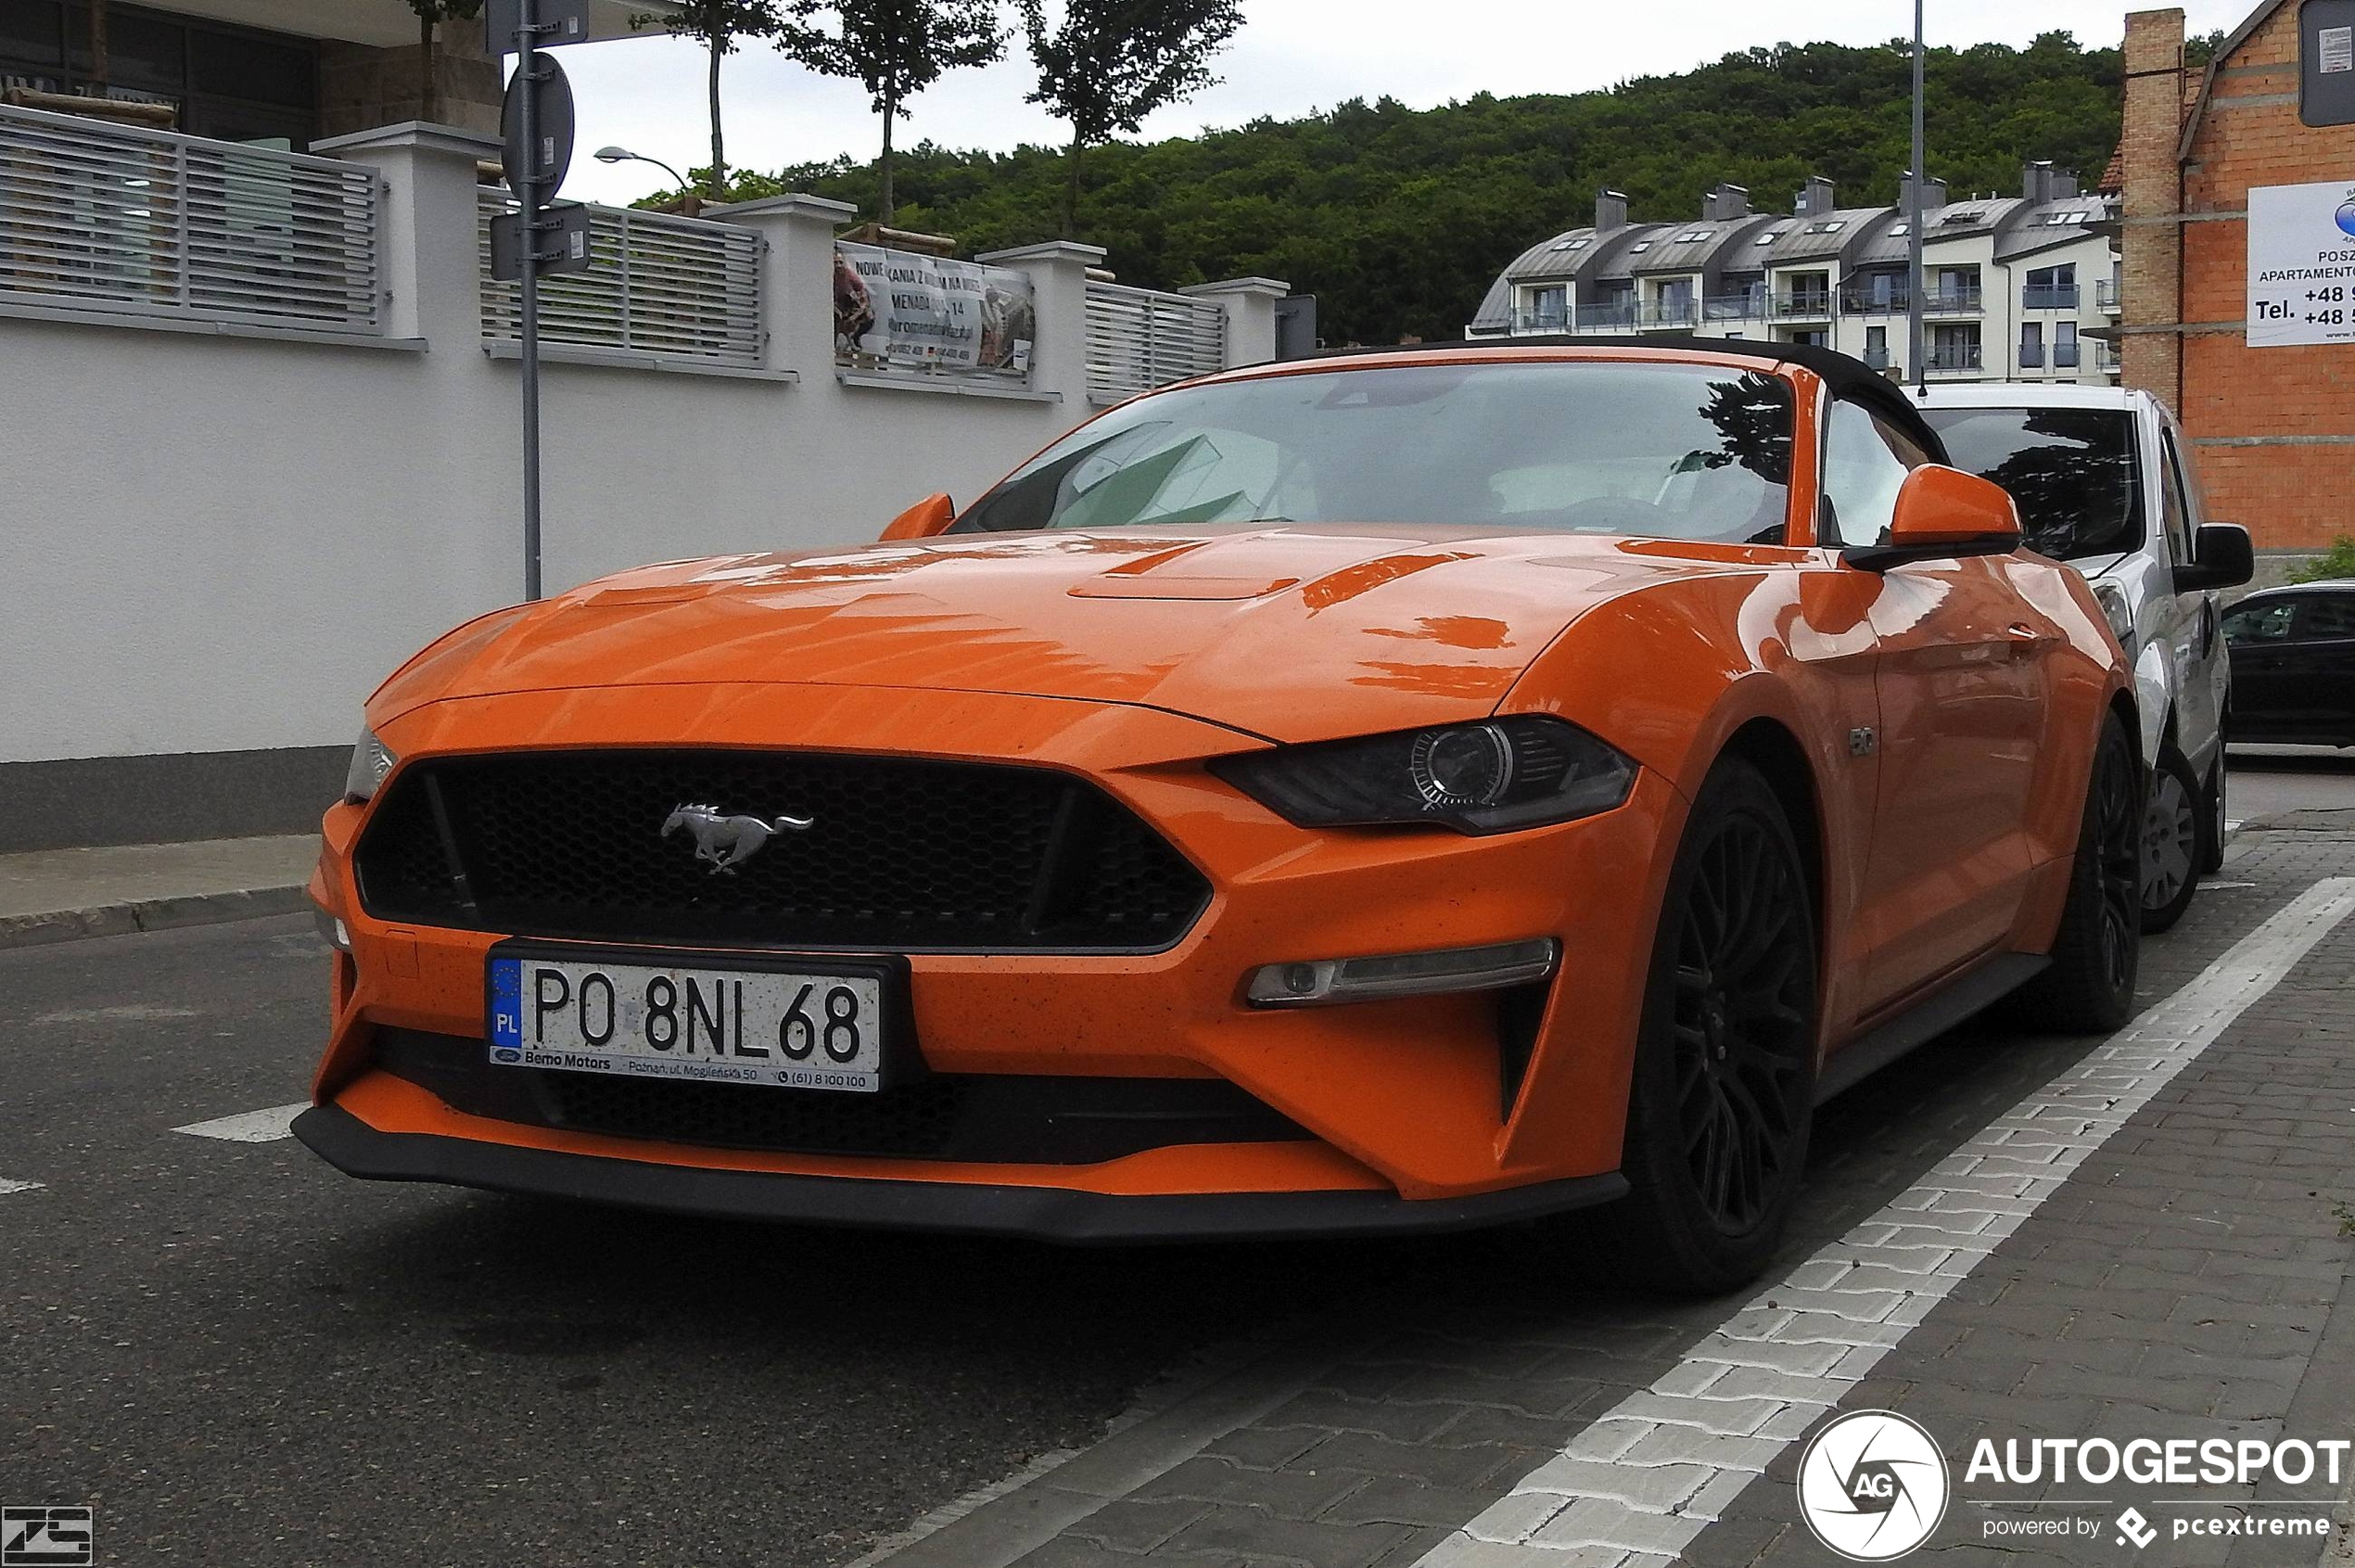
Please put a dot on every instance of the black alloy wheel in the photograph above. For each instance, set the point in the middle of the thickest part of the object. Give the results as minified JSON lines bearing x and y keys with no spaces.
{"x":1744,"y":993}
{"x":1724,"y":1086}
{"x":2118,"y":790}
{"x":2089,"y":987}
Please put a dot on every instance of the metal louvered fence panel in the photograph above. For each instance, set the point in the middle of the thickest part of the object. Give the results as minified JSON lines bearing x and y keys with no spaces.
{"x":684,"y":287}
{"x":98,"y":216}
{"x":1139,"y":339}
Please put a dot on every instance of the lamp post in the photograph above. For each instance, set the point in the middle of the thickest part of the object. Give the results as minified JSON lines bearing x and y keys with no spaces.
{"x":623,"y":155}
{"x":1913,"y":225}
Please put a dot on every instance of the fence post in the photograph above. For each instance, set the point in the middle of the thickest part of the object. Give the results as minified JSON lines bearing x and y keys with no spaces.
{"x":427,"y":257}
{"x":1250,"y":305}
{"x":1059,"y":287}
{"x":797,"y":277}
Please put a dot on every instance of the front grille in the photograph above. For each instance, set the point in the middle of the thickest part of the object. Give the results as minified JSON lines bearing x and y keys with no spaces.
{"x":905,"y":854}
{"x":987,"y":1119}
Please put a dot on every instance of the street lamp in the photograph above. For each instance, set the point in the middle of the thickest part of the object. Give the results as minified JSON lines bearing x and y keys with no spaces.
{"x":1913,"y":225}
{"x":623,"y":155}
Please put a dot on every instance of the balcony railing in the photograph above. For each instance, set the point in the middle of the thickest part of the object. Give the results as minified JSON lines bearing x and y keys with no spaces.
{"x":1734,"y":307}
{"x":98,"y":216}
{"x":2048,"y":296}
{"x":1604,"y":314}
{"x":1952,"y":356}
{"x":680,"y":287}
{"x":1953,"y":302}
{"x":2031,"y":356}
{"x":1668,"y":313}
{"x":2105,"y":294}
{"x":1874,"y":302}
{"x":2105,"y":354}
{"x":1877,"y":358}
{"x":1805,"y":307}
{"x":1554,"y":320}
{"x":2066,"y":356}
{"x":1139,"y":339}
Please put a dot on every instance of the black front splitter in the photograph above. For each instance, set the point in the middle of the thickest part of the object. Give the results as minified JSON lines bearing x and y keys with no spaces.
{"x":1050,"y":1214}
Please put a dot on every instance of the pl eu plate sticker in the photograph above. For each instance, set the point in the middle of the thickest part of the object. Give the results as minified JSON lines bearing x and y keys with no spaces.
{"x":507,"y":1005}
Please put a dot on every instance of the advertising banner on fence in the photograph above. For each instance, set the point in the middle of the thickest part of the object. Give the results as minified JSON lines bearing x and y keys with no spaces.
{"x":898,"y":310}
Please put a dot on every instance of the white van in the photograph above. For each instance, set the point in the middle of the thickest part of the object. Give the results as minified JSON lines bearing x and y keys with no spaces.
{"x":2104,"y":482}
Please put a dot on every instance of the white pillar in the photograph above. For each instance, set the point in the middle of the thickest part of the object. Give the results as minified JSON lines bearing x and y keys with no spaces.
{"x":1059,"y":287}
{"x":427,"y":227}
{"x":1250,"y":305}
{"x":797,"y":277}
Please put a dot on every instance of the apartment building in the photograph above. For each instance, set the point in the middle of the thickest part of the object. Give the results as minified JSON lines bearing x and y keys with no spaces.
{"x":279,"y":72}
{"x":2019,"y":288}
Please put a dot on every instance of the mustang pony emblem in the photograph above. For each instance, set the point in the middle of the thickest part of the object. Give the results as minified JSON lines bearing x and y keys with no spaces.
{"x":728,"y":842}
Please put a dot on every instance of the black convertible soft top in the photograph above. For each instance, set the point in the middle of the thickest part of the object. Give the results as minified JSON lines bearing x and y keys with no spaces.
{"x":1847,"y":376}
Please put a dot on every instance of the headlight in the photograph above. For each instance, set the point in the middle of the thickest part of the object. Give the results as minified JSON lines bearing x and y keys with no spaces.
{"x":1489,"y":777}
{"x":2112,"y":600}
{"x":370,"y":763}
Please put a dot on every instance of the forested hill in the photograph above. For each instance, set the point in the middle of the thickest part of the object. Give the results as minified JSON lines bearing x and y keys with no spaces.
{"x":1398,"y":219}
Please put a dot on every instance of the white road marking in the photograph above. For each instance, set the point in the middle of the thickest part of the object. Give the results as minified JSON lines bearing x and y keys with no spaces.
{"x":250,"y":1127}
{"x":7,"y":1186}
{"x":124,"y":1013}
{"x":1632,"y":1489}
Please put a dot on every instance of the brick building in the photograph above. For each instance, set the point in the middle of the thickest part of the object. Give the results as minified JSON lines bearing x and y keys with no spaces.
{"x":2273,"y":427}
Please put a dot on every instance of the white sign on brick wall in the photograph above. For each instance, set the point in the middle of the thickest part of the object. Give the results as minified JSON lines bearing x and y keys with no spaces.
{"x":2301,"y":264}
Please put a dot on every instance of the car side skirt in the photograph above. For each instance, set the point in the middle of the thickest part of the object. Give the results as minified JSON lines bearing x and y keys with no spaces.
{"x":1036,"y":1212}
{"x":1926,"y":1020}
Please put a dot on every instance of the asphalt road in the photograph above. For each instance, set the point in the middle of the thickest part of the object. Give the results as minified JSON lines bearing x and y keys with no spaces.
{"x":240,"y":1357}
{"x":2270,"y":779}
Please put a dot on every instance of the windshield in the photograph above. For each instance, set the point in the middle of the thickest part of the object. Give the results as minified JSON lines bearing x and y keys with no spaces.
{"x":2071,"y":469}
{"x":1660,"y":450}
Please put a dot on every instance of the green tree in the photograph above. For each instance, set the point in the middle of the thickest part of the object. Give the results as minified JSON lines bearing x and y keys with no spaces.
{"x":896,"y":49}
{"x":431,"y":14}
{"x":1110,"y":63}
{"x":722,"y":26}
{"x":1400,"y":219}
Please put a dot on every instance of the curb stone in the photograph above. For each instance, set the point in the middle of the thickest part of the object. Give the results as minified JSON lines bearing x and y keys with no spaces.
{"x":147,"y":914}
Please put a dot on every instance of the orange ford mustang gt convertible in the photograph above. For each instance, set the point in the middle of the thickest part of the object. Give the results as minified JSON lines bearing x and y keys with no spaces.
{"x":1377,"y":793}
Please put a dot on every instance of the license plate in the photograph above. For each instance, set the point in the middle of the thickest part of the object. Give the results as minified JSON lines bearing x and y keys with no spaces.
{"x":781,"y":1028}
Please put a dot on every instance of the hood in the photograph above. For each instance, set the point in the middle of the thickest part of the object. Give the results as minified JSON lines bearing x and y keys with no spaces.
{"x":1292,"y":633}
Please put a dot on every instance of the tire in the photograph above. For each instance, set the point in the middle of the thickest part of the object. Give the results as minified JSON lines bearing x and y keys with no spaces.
{"x":2089,"y":987}
{"x":1724,"y":1076}
{"x":2213,"y":846}
{"x":2175,"y":840}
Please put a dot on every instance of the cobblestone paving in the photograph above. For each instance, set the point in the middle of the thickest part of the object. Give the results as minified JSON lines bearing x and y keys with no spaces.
{"x":2181,"y":1274}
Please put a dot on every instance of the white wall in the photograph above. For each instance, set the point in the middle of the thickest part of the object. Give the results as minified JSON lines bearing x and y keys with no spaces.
{"x":214,"y":544}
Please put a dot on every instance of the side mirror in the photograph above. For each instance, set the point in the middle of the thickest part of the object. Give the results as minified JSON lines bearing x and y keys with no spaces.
{"x":926,"y":517}
{"x":1942,"y":513}
{"x":2221,"y":559}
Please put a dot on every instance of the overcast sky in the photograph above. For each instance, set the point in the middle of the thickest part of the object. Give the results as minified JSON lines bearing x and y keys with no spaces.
{"x":1292,"y":56}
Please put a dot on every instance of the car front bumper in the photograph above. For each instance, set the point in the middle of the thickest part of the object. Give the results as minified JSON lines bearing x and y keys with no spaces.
{"x":1409,"y":1100}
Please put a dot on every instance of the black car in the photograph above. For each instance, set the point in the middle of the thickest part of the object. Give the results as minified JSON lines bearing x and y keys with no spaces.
{"x":2294,"y":665}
